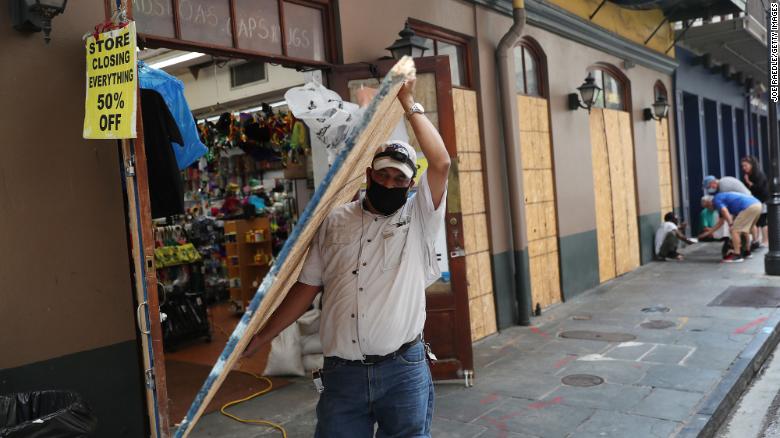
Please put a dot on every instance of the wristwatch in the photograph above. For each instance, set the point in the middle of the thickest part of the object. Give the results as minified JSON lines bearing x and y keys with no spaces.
{"x":417,"y":108}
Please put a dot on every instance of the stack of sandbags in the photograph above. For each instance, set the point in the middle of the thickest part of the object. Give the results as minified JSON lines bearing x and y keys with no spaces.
{"x":297,"y":349}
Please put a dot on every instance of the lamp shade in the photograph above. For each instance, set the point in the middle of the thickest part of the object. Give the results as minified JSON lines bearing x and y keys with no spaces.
{"x":408,"y":45}
{"x":589,"y":91}
{"x":660,"y":107}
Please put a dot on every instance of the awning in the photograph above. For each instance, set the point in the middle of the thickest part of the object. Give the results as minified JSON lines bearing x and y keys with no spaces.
{"x":678,"y":10}
{"x":740,"y":42}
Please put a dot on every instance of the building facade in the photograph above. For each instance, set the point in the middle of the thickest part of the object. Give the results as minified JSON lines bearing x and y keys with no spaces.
{"x":720,"y":92}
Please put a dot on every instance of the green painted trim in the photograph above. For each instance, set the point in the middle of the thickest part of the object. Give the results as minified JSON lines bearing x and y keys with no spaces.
{"x":523,"y":270}
{"x":503,"y":289}
{"x":579,"y":263}
{"x":108,"y":378}
{"x":647,"y":225}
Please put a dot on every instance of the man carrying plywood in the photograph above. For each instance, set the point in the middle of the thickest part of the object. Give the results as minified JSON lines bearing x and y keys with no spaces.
{"x":374,"y":258}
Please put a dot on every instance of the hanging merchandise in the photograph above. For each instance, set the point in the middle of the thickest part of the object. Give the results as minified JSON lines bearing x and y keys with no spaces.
{"x":299,"y":142}
{"x":190,"y":148}
{"x":325,"y":113}
{"x":166,"y":189}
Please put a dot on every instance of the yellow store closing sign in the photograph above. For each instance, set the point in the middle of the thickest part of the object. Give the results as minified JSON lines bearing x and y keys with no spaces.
{"x":109,"y":109}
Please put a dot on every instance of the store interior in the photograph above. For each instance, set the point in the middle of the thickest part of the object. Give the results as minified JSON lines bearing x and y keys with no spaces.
{"x":225,"y":194}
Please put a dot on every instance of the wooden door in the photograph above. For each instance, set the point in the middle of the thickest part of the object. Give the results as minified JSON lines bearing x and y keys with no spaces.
{"x":141,"y":242}
{"x":615,"y":193}
{"x":539,"y":199}
{"x":447,"y":326}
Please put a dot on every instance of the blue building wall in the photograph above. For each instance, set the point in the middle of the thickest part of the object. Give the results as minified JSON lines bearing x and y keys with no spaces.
{"x":716,"y":128}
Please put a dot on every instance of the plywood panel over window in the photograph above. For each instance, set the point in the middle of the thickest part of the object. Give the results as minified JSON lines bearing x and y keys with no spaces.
{"x":664,"y":166}
{"x":479,"y":274}
{"x":539,"y":191}
{"x":615,"y":192}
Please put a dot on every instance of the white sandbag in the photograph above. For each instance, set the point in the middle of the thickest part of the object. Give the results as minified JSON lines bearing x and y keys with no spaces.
{"x":311,"y":344}
{"x":309,"y":322}
{"x":313,"y":361}
{"x":285,"y":358}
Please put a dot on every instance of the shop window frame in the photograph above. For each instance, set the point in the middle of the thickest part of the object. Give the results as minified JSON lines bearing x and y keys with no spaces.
{"x":440,"y":34}
{"x":327,"y":8}
{"x":537,"y":53}
{"x":620,"y":78}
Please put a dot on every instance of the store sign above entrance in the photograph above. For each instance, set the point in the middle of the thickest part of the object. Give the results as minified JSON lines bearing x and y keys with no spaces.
{"x":110,"y":106}
{"x":273,"y":28}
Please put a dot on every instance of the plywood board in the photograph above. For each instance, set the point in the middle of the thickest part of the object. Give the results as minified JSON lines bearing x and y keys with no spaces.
{"x":544,"y":116}
{"x":485,"y":273}
{"x":627,"y":141}
{"x":526,"y":114}
{"x":602,"y":188}
{"x":473,"y":276}
{"x":477,"y":319}
{"x":469,"y":161}
{"x":480,"y":222}
{"x":664,"y":166}
{"x":469,"y":234}
{"x":539,"y":194}
{"x":617,"y":173}
{"x":472,"y":121}
{"x":461,"y":134}
{"x":466,"y":200}
{"x":489,"y":312}
{"x":478,"y":193}
{"x":339,"y":185}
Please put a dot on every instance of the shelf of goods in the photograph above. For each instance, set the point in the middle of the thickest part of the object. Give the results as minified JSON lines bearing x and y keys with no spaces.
{"x":248,"y":247}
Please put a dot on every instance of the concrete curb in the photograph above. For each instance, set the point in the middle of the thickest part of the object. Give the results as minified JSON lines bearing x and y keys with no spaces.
{"x":717,"y":406}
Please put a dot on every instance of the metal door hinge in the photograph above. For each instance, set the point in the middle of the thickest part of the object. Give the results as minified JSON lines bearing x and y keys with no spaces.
{"x":130,"y":166}
{"x":149,"y":378}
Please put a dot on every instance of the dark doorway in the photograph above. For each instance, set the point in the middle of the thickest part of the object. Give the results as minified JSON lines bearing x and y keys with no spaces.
{"x":741,"y":133}
{"x":712,"y":138}
{"x":730,"y":161}
{"x":765,"y":146}
{"x":693,"y":156}
{"x":755,"y":138}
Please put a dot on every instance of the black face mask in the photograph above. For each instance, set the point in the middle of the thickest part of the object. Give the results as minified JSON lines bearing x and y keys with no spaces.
{"x":384,"y":200}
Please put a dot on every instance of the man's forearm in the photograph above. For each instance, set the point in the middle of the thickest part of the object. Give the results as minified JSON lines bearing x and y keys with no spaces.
{"x":431,"y":143}
{"x":293,"y":306}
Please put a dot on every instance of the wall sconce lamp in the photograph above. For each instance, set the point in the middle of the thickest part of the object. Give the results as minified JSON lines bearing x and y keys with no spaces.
{"x":408,"y":45}
{"x":589,"y":92}
{"x":35,"y":15}
{"x":659,"y":111}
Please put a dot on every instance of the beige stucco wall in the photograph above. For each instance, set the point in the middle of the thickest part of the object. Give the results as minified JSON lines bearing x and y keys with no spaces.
{"x":367,"y":27}
{"x":567,"y":67}
{"x":63,"y":256}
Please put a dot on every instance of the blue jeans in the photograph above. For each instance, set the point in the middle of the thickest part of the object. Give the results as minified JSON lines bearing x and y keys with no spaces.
{"x":396,"y":394}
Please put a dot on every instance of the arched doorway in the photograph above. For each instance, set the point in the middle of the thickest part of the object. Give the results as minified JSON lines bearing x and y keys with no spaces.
{"x":614,"y":184}
{"x":541,"y":219}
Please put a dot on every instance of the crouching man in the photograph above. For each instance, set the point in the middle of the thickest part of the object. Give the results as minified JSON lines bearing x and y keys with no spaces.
{"x":668,"y":238}
{"x":741,"y":212}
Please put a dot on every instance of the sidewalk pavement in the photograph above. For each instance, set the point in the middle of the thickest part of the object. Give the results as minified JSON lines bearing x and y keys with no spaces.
{"x":671,"y":371}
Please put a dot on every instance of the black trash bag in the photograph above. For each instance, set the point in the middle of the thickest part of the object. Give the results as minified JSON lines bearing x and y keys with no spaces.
{"x":49,"y":414}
